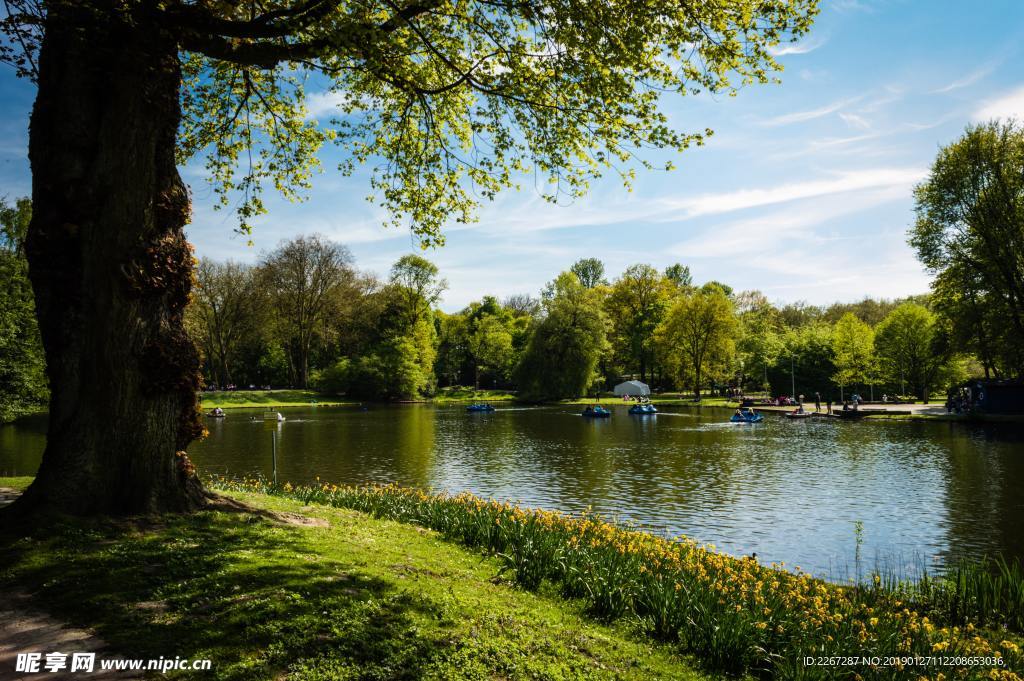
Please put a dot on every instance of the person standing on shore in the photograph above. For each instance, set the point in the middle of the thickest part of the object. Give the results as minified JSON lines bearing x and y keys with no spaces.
{"x":817,"y":402}
{"x":829,"y":406}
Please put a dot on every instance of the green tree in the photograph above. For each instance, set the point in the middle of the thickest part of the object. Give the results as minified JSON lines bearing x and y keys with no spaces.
{"x":679,"y":275}
{"x":805,"y":363}
{"x":590,"y":272}
{"x":911,"y":349}
{"x":22,"y":367}
{"x":14,"y":222}
{"x":562,"y":353}
{"x":636,"y":305}
{"x":448,"y":101}
{"x":701,"y":327}
{"x":853,"y":351}
{"x":302,"y":277}
{"x":969,"y":231}
{"x":418,"y":287}
{"x":226,"y":306}
{"x":452,"y":346}
{"x":490,"y":346}
{"x":760,"y":340}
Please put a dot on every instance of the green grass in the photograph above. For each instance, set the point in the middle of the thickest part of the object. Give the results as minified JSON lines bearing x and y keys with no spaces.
{"x":268,"y":399}
{"x":361,"y":599}
{"x":19,"y":483}
{"x":468,"y":394}
{"x":733,"y":614}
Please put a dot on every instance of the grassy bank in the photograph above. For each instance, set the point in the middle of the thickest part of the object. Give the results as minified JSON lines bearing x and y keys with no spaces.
{"x":364,"y":598}
{"x":272,"y":399}
{"x":467,"y":394}
{"x":269,"y":399}
{"x":733,"y":614}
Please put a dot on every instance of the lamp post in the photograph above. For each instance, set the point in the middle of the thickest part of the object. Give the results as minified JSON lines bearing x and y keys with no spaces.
{"x":792,"y":376}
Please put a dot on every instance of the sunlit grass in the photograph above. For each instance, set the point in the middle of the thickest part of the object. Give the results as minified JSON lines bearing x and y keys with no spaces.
{"x":733,"y":613}
{"x":268,"y":398}
{"x":362,"y":599}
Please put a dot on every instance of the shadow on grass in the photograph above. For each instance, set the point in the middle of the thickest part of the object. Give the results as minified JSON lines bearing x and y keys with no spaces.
{"x":256,"y":598}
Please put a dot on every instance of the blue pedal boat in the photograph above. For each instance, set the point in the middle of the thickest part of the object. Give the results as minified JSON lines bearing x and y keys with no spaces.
{"x":643,"y":409}
{"x":747,"y":417}
{"x":596,"y":413}
{"x":479,"y":407}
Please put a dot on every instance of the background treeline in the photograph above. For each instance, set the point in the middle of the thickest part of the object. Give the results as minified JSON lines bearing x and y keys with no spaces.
{"x":304,"y":316}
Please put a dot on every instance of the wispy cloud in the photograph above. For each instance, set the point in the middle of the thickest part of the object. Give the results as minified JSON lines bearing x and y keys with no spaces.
{"x":510,"y":215}
{"x":763,"y":232}
{"x":803,"y":47}
{"x":1009,"y":105}
{"x":970,"y":79}
{"x":802,"y":116}
{"x":855,"y":121}
{"x":847,"y":181}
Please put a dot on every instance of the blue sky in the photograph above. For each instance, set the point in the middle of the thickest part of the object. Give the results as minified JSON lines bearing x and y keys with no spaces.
{"x":804,"y":192}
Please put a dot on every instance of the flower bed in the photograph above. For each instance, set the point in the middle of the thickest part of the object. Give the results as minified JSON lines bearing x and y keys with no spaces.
{"x":736,"y":615}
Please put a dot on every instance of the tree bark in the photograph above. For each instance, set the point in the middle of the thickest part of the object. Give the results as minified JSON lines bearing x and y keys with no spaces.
{"x":111,"y":269}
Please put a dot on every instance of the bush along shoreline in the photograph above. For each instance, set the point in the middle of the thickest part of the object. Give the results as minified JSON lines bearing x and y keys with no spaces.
{"x":734,"y":614}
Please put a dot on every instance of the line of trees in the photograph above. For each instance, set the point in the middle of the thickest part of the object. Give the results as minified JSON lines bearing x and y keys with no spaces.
{"x":304,"y":316}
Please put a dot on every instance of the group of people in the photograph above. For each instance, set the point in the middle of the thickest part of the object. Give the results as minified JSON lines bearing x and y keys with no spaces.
{"x":959,"y":402}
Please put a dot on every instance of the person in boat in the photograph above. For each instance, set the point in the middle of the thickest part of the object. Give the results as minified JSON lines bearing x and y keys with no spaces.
{"x":588,"y":410}
{"x":217,"y":411}
{"x":741,"y":413}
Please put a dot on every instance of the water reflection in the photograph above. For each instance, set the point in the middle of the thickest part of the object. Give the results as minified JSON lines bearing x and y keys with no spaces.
{"x":792,"y":491}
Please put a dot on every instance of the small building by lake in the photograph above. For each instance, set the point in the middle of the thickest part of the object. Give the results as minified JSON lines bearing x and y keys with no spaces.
{"x":997,"y":397}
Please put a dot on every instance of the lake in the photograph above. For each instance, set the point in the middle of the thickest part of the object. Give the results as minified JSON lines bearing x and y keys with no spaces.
{"x":791,"y":491}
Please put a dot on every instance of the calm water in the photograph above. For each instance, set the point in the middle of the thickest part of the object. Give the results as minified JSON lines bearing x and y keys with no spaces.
{"x":791,"y":491}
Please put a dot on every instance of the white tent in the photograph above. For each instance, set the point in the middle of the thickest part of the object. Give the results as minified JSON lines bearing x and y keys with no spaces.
{"x":632,"y":388}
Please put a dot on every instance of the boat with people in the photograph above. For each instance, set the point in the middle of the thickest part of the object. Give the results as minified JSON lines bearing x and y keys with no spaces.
{"x":798,"y":413}
{"x":480,"y":406}
{"x":746,"y":415}
{"x":217,"y":413}
{"x":596,"y":412}
{"x":642,"y":409}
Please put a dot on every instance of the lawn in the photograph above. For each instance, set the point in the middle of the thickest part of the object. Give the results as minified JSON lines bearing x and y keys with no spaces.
{"x":269,"y":399}
{"x":469,"y":394}
{"x":360,"y":599}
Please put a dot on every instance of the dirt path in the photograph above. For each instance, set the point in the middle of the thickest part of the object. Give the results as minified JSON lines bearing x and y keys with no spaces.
{"x":26,"y":629}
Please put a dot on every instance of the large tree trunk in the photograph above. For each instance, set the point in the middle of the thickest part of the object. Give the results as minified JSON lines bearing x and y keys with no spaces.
{"x":111,"y":268}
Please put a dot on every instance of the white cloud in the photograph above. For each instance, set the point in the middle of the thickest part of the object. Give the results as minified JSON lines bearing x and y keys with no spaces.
{"x":855,"y":121}
{"x":804,"y":47}
{"x":322,"y":103}
{"x":847,"y":181}
{"x":1009,"y":105}
{"x":969,"y":79}
{"x":802,"y":116}
{"x":766,"y":233}
{"x":325,"y":104}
